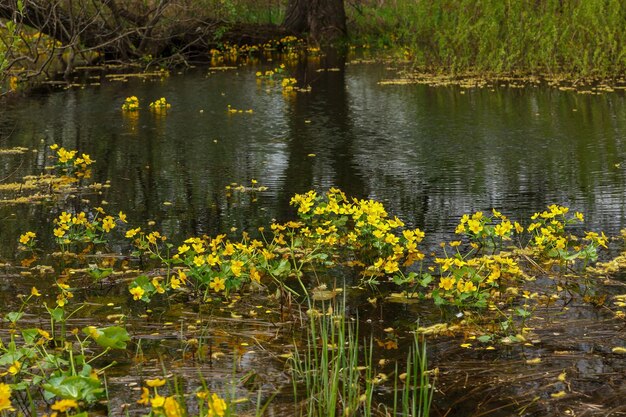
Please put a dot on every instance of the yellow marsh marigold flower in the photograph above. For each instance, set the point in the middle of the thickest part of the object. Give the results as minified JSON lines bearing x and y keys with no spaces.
{"x":198,"y":247}
{"x":122,"y":217}
{"x":465,"y":286}
{"x":14,"y":369}
{"x":87,"y":159}
{"x":391,"y":239}
{"x":229,"y":249}
{"x":446,"y":283}
{"x":213,"y":259}
{"x":93,"y":332}
{"x":152,"y":237}
{"x":27,"y":237}
{"x":35,"y":292}
{"x":391,"y":267}
{"x":44,"y":334}
{"x":108,"y":223}
{"x":255,"y":276}
{"x":132,"y":232}
{"x":156,"y":281}
{"x":64,"y":405}
{"x":199,"y":260}
{"x":59,"y":232}
{"x":217,"y":406}
{"x":5,"y":397}
{"x":65,"y":217}
{"x":157,"y":401}
{"x":153,"y":383}
{"x":218,"y":284}
{"x":145,"y":396}
{"x":137,"y":292}
{"x":80,"y":218}
{"x":235,"y":268}
{"x":475,"y":226}
{"x":175,"y":283}
{"x":172,"y":407}
{"x":65,"y":155}
{"x":477,"y":216}
{"x":503,"y":229}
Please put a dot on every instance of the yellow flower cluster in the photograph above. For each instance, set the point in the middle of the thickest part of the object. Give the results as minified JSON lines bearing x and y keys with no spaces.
{"x":79,"y":228}
{"x":160,"y":104}
{"x":461,"y":278}
{"x":69,"y":162}
{"x":131,"y":104}
{"x":480,"y":227}
{"x":168,"y":406}
{"x":211,"y":406}
{"x":362,"y":225}
{"x":27,"y":238}
{"x":288,"y":84}
{"x":549,"y":236}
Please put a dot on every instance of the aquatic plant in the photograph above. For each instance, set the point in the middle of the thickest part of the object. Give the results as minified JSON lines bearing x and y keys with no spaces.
{"x":329,"y":368}
{"x":209,"y":404}
{"x":131,"y":104}
{"x":160,"y":105}
{"x":71,"y":163}
{"x":44,"y":364}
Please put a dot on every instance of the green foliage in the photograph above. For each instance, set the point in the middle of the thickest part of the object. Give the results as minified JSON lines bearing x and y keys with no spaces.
{"x":583,"y":37}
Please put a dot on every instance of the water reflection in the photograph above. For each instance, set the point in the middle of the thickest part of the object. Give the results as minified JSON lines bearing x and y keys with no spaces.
{"x":430,"y":154}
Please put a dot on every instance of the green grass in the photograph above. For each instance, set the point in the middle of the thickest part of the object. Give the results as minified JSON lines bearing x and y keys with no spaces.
{"x":334,"y":374}
{"x":578,"y":37}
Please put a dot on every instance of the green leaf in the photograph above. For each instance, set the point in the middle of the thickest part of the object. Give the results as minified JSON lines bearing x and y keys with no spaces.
{"x":100,"y":273}
{"x":426,"y":279}
{"x":283,"y":268}
{"x":484,"y":338}
{"x":76,"y":387}
{"x":13,"y":316}
{"x":29,"y":335}
{"x":57,"y":314}
{"x":113,"y":337}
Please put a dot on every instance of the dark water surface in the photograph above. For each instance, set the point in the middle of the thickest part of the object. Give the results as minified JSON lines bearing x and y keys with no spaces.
{"x":430,"y":154}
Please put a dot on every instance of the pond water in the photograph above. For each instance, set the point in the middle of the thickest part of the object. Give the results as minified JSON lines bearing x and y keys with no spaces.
{"x":430,"y":154}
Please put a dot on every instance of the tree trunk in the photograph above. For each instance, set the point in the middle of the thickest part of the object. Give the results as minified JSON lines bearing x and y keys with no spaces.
{"x":323,"y":20}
